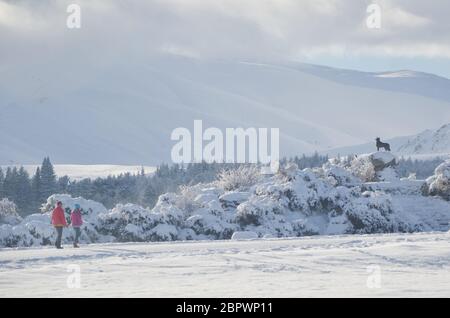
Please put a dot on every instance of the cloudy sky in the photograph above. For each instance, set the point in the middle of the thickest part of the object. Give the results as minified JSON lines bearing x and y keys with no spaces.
{"x":414,"y":34}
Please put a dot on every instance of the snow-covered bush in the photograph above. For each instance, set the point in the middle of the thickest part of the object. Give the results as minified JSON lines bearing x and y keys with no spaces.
{"x":12,"y":236}
{"x":89,"y":208}
{"x":326,"y":200}
{"x":439,"y":183}
{"x":128,"y":222}
{"x":289,"y":170}
{"x":212,"y":221}
{"x":233,"y":199}
{"x":8,"y":212}
{"x":338,"y":176}
{"x":363,"y":168}
{"x":240,"y":178}
{"x":371,"y":213}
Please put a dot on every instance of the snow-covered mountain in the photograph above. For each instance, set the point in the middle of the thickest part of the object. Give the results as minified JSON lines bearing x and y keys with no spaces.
{"x":428,"y":142}
{"x":407,"y":81}
{"x":124,"y":114}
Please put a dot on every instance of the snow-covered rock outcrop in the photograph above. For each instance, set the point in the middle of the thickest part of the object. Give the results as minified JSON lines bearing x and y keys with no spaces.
{"x":377,"y":166}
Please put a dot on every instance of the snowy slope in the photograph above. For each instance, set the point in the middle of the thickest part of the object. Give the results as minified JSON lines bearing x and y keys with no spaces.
{"x":124,"y":114}
{"x":430,"y":141}
{"x":367,"y":147}
{"x":427,"y":144}
{"x":344,"y":266}
{"x":407,"y":81}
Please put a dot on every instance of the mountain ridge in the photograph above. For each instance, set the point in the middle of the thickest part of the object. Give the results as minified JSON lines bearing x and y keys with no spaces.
{"x":124,"y":114}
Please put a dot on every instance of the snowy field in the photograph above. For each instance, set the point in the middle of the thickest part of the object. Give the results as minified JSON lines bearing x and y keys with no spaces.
{"x":79,"y":172}
{"x":392,"y":265}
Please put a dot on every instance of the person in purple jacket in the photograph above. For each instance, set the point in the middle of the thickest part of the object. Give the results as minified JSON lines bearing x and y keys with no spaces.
{"x":76,"y":222}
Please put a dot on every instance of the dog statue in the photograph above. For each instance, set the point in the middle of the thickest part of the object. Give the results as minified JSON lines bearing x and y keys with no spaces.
{"x":383,"y":145}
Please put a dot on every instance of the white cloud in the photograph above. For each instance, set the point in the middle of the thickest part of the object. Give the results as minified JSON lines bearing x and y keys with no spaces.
{"x":226,"y":28}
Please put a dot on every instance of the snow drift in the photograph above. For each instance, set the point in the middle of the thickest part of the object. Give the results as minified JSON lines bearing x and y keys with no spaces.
{"x":332,"y":199}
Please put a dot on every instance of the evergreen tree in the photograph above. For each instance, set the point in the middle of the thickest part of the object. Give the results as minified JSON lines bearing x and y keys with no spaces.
{"x":9,"y":183}
{"x":36,"y":189}
{"x":23,"y":193}
{"x":48,"y":180}
{"x":2,"y":180}
{"x":63,"y":184}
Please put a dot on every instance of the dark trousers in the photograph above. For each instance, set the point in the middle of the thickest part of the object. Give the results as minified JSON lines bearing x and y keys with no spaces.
{"x":59,"y":231}
{"x":77,"y":234}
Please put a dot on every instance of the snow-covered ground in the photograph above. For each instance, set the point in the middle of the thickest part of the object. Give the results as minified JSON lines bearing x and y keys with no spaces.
{"x":78,"y":172}
{"x":391,"y":265}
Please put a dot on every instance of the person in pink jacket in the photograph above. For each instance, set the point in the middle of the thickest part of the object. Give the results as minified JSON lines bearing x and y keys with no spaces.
{"x":76,"y":222}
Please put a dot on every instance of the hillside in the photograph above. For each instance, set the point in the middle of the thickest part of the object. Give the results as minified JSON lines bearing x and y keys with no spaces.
{"x":124,"y":114}
{"x":427,"y":144}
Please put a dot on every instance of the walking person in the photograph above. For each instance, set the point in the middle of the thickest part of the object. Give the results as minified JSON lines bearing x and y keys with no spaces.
{"x":76,"y":221}
{"x":59,"y":222}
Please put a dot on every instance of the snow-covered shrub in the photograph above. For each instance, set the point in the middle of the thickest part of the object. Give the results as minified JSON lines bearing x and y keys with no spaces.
{"x":128,"y":222}
{"x":370,"y":213}
{"x":289,"y":170}
{"x":439,"y":183}
{"x":190,"y":197}
{"x":301,"y":227}
{"x":41,"y":231}
{"x":233,"y":199}
{"x":256,"y":209}
{"x":167,"y":209}
{"x":164,"y":232}
{"x":363,"y":168}
{"x":8,"y":212}
{"x":338,"y":176}
{"x":211,"y":223}
{"x":239,"y":179}
{"x":326,"y":200}
{"x":89,"y":208}
{"x":13,"y":236}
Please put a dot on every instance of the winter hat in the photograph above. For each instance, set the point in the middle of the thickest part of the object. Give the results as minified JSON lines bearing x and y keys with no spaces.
{"x":77,"y":206}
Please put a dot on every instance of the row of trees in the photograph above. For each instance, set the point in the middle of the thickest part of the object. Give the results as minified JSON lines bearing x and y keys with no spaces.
{"x":421,"y":168}
{"x":28,"y":193}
